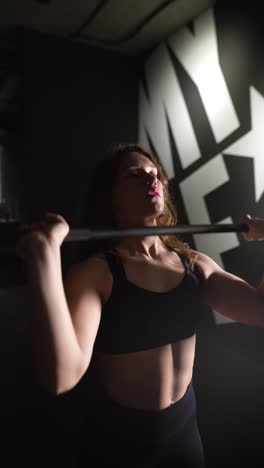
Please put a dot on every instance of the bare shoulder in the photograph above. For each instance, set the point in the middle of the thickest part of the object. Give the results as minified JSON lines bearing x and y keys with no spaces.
{"x":90,"y":270}
{"x":94,"y":263}
{"x":206,"y":264}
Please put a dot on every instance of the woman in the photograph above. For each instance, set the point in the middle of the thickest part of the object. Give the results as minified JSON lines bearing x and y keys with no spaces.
{"x":133,"y":305}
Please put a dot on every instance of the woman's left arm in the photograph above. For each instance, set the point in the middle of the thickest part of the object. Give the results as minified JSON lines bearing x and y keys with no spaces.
{"x":255,"y":232}
{"x":230,"y":295}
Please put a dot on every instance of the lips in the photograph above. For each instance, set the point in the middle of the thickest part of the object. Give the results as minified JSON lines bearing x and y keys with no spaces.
{"x":153,"y":193}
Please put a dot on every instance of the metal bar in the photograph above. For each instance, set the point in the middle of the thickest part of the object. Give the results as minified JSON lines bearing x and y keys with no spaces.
{"x":76,"y":235}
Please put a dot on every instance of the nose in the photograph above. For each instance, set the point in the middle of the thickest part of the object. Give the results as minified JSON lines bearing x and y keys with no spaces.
{"x":152,"y":180}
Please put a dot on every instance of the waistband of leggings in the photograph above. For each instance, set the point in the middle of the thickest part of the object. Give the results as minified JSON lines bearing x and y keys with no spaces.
{"x":124,"y":421}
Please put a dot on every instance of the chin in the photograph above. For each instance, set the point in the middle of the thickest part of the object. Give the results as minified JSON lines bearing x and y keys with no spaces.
{"x":159,"y":211}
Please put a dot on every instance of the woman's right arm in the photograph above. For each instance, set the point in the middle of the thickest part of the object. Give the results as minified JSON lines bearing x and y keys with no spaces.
{"x":64,"y":317}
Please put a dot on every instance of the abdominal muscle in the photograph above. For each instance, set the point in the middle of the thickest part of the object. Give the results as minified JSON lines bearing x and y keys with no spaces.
{"x":151,"y":379}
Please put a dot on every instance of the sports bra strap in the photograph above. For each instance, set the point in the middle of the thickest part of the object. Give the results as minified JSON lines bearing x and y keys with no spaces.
{"x":115,"y":264}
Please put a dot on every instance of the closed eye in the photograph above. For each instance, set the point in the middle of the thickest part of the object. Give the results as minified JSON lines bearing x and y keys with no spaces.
{"x":141,"y":173}
{"x":132,"y":174}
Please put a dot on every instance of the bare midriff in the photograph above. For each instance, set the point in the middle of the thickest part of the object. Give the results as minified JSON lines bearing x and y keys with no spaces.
{"x":151,"y":379}
{"x":155,"y":378}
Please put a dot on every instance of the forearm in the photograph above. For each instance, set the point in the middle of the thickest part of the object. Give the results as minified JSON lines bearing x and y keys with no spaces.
{"x":255,"y":232}
{"x":260,"y":287}
{"x":56,"y":350}
{"x":255,"y":228}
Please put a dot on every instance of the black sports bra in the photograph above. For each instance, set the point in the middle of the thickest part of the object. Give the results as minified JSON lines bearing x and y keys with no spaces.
{"x":136,"y":319}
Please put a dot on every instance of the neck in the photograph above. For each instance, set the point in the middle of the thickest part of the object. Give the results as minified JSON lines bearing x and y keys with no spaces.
{"x":149,"y":246}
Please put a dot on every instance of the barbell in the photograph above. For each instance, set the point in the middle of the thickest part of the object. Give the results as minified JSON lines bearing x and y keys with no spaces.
{"x":10,"y":232}
{"x":78,"y":235}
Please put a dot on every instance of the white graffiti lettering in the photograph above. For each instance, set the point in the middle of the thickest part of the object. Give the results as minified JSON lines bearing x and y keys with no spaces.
{"x":165,"y":105}
{"x":198,"y":53}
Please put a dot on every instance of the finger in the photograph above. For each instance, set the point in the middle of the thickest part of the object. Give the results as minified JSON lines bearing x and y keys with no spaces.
{"x":51,"y":214}
{"x":246,"y":218}
{"x":54,"y":218}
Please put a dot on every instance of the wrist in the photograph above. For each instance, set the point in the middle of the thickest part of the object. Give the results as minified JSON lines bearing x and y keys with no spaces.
{"x":40,"y":249}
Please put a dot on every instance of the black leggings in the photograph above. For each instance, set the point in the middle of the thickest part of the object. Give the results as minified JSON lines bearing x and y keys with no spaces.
{"x":130,"y":438}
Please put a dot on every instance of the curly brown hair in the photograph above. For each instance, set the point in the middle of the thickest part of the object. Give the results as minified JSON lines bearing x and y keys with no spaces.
{"x":101,"y":215}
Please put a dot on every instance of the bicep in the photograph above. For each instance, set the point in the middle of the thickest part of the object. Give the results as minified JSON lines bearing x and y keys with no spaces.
{"x":84,"y":303}
{"x":233,"y":297}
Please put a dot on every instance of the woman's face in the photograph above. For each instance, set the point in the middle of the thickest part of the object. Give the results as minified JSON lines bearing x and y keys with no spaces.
{"x":138,"y":193}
